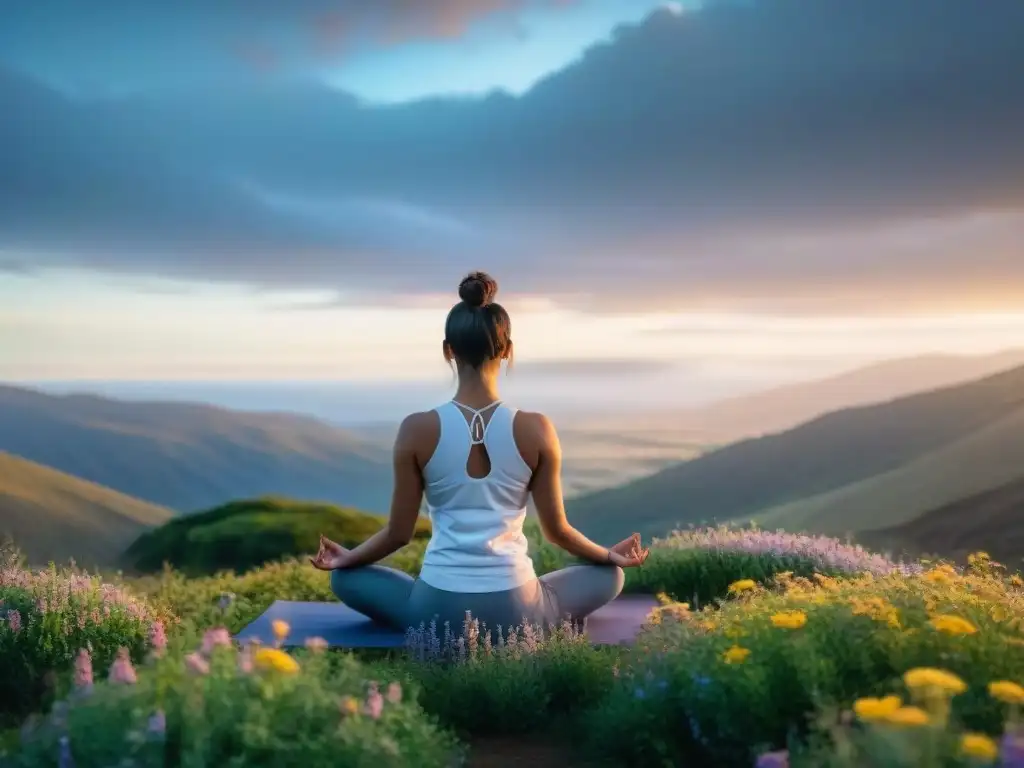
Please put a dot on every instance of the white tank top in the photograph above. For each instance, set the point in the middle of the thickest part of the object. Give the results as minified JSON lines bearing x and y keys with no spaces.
{"x":477,"y":544}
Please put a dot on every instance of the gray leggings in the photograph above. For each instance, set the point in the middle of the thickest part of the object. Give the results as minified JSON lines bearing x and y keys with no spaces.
{"x":397,"y":600}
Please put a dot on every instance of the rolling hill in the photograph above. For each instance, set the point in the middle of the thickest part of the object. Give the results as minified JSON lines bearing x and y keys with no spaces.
{"x":188,"y":456}
{"x":992,"y":521}
{"x":782,"y":408}
{"x":52,"y":516}
{"x":829,"y":453}
{"x":245,"y":534}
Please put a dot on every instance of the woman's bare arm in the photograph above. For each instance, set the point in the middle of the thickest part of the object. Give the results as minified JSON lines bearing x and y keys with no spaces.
{"x":547,"y":496}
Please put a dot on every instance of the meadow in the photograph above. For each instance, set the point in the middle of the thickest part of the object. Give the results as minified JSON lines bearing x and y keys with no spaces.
{"x":768,"y":649}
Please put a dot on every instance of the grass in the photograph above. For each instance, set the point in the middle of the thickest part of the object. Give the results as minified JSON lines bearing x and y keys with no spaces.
{"x":790,"y":632}
{"x":54,"y":516}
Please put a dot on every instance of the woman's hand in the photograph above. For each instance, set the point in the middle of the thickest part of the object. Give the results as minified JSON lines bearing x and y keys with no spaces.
{"x":629,"y":553}
{"x":331,"y":555}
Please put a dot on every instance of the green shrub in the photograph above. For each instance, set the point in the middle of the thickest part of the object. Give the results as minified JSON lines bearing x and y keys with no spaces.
{"x":254,"y":707}
{"x":720,"y":686}
{"x":46,"y":617}
{"x":510,"y":683}
{"x":246,"y":534}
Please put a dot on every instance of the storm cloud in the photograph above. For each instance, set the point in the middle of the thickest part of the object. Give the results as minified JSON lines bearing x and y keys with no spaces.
{"x":722,"y":155}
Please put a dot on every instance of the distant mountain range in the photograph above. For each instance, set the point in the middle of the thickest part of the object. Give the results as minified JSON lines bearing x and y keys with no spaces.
{"x":53,"y":516}
{"x":784,"y":407}
{"x":855,"y":469}
{"x":190,"y":457}
{"x":89,"y":474}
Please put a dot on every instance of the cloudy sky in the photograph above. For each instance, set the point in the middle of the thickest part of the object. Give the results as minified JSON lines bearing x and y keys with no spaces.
{"x":753,"y":189}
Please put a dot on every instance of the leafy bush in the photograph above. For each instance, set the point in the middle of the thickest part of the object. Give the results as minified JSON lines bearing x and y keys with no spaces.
{"x":256,"y":707}
{"x":47,"y":616}
{"x":721,"y":684}
{"x":506,"y":683}
{"x":246,"y":534}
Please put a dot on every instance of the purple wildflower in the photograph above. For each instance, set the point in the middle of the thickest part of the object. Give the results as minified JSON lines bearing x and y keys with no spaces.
{"x":14,"y":620}
{"x":157,"y":723}
{"x":65,"y":759}
{"x":778,"y":759}
{"x":1011,"y":751}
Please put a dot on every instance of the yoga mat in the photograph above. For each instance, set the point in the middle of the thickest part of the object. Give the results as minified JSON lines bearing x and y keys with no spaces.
{"x":616,"y":623}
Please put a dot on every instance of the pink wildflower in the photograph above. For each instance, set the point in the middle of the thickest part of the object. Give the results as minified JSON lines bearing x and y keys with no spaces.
{"x":158,"y":638}
{"x":316,"y":644}
{"x":14,"y":620}
{"x":394,"y":693}
{"x":245,"y":661}
{"x":218,"y":637}
{"x":83,"y":670}
{"x":121,"y":671}
{"x":374,"y":702}
{"x":197,"y":664}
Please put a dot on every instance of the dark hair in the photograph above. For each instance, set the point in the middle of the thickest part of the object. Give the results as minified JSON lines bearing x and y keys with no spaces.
{"x":477,"y":329}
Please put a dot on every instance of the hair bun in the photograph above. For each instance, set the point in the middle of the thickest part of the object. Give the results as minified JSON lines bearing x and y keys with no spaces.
{"x":478,"y":289}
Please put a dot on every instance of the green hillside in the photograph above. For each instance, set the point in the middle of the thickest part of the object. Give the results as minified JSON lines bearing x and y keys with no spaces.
{"x":187,"y":456}
{"x":992,"y":521}
{"x":829,"y":453}
{"x":987,"y":458}
{"x":55,"y":517}
{"x":245,"y":534}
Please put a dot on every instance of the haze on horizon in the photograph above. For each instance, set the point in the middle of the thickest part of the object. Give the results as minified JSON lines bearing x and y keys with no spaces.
{"x":718,"y":197}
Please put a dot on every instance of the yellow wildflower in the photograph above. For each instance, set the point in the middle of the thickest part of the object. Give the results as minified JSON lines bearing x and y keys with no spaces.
{"x":348,"y":706}
{"x":953,"y":625}
{"x":978,"y":745}
{"x":1006,"y":691}
{"x":1016,"y":581}
{"x":743,"y":585}
{"x":789,"y":619}
{"x":279,"y":661}
{"x":735,"y":655}
{"x":708,"y":625}
{"x":869,"y":709}
{"x":280,"y":629}
{"x":941,"y":574}
{"x":663,"y":598}
{"x":929,"y":679}
{"x":999,"y":613}
{"x":907,"y":716}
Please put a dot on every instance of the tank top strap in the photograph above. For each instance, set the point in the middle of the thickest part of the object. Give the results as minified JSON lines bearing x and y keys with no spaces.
{"x":477,"y":425}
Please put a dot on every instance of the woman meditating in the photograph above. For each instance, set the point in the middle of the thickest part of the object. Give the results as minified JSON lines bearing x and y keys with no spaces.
{"x":478,"y":460}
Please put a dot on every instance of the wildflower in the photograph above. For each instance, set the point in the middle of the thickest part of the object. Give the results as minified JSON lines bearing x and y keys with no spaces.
{"x":743,"y":585}
{"x":1016,"y":581}
{"x":83,"y":670}
{"x":953,"y":625}
{"x":157,"y":723}
{"x":394,"y":693}
{"x":225,"y":600}
{"x":736,"y":655}
{"x":197,"y":664}
{"x":928,"y":679}
{"x":158,"y":638}
{"x":245,"y":663}
{"x":1011,"y":751}
{"x":316,"y":644}
{"x":64,"y":757}
{"x":279,"y":661}
{"x":978,"y":745}
{"x":374,"y":705}
{"x":121,"y":671}
{"x":14,"y":620}
{"x":1006,"y":691}
{"x":907,"y":716}
{"x":773,"y":760}
{"x":940,"y":574}
{"x":280,"y":629}
{"x":872,"y":709}
{"x":218,"y":637}
{"x":348,"y":706}
{"x":789,"y":619}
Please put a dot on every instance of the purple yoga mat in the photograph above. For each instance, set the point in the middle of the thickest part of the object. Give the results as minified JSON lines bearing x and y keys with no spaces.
{"x":616,"y":623}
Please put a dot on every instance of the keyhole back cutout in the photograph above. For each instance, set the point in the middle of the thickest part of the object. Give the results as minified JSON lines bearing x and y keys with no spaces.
{"x":478,"y":462}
